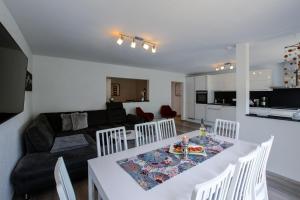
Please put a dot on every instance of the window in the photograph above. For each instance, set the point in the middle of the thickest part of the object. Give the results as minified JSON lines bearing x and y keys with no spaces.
{"x":127,"y":90}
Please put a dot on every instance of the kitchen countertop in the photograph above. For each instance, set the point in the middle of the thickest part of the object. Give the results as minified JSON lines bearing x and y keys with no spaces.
{"x":276,"y":107}
{"x":273,"y":117}
{"x":221,"y":104}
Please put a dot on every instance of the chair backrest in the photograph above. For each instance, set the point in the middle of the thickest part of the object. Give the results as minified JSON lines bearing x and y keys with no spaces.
{"x":139,"y":111}
{"x":262,"y":159}
{"x":146,"y":133}
{"x":110,"y":141}
{"x":166,"y":128}
{"x":63,"y":183}
{"x":216,"y":188}
{"x":240,"y":188}
{"x":227,"y":128}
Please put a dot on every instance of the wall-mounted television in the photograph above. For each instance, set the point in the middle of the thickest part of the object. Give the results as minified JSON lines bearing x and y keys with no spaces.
{"x":13,"y":66}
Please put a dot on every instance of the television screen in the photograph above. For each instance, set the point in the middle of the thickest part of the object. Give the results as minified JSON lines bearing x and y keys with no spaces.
{"x":13,"y":65}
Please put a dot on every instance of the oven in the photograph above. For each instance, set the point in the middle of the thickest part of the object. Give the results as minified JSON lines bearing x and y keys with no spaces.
{"x":201,"y":97}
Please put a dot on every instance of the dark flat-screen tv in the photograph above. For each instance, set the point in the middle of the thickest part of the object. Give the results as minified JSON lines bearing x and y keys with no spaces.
{"x":13,"y":66}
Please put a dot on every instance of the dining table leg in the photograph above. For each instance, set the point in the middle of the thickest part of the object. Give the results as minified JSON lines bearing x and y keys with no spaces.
{"x":91,"y":186}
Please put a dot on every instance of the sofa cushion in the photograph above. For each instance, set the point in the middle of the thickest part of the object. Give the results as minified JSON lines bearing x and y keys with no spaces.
{"x":55,"y":121}
{"x":97,"y":117}
{"x":116,"y":116}
{"x":40,"y":134}
{"x":79,"y":121}
{"x":66,"y":121}
{"x":66,"y":133}
{"x":114,"y":105}
{"x":68,"y":143}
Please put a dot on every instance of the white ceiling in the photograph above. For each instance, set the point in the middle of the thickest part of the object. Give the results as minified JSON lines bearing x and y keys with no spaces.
{"x":192,"y":35}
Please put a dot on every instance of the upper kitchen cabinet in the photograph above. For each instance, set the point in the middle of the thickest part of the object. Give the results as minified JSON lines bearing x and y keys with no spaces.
{"x":222,"y":82}
{"x":229,"y":84}
{"x":260,"y":80}
{"x":201,"y":83}
{"x":190,"y":97}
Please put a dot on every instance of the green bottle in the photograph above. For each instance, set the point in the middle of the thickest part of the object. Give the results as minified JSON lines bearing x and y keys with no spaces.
{"x":202,"y":128}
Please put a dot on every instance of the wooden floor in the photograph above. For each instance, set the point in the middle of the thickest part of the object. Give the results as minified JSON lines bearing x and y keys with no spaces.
{"x":277,"y":191}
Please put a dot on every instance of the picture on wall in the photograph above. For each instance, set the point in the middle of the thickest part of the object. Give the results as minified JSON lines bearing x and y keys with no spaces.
{"x":28,"y":81}
{"x":177,"y":89}
{"x":115,"y":89}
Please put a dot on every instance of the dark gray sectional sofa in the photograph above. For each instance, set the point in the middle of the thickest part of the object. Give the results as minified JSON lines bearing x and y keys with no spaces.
{"x":35,"y":170}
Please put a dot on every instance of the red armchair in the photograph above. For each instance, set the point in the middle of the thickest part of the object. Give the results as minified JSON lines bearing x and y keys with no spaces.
{"x":148,"y":117}
{"x":167,"y":112}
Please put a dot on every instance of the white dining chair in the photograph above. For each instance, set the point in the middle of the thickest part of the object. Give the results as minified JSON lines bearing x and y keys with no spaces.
{"x":166,"y":128}
{"x":241,"y":186}
{"x":109,"y":141}
{"x":63,"y":183}
{"x":146,"y":133}
{"x":216,"y":188}
{"x":227,"y":128}
{"x":259,"y":184}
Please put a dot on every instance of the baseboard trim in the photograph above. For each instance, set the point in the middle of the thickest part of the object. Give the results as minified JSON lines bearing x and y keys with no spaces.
{"x":283,"y":183}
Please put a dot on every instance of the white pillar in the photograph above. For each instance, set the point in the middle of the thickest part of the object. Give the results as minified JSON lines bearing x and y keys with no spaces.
{"x":242,"y":80}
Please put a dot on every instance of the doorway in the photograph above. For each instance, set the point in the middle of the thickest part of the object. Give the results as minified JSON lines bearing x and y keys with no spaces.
{"x":177,"y":98}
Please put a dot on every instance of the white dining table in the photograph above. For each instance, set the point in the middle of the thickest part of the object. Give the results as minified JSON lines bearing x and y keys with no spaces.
{"x":114,"y":183}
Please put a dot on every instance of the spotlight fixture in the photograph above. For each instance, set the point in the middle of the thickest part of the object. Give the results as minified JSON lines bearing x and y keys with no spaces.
{"x":225,"y":66}
{"x":133,"y":44}
{"x":153,"y":49}
{"x":146,"y":44}
{"x":120,"y":40}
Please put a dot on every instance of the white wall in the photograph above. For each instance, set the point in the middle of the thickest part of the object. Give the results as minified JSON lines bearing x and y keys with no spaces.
{"x":11,"y":130}
{"x":284,"y":157}
{"x":68,"y":85}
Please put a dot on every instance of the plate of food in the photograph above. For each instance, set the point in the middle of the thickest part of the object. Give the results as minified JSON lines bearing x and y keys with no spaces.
{"x":193,"y":149}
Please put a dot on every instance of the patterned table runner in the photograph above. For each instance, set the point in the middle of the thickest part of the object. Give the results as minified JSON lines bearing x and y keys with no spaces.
{"x":155,"y":167}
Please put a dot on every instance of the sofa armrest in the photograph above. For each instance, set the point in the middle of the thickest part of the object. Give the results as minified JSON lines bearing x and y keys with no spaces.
{"x":133,"y":119}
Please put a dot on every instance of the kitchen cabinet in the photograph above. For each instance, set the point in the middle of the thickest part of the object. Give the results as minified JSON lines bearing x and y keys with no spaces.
{"x":229,"y":113}
{"x":214,"y":112}
{"x":229,"y":82}
{"x":260,"y":80}
{"x":222,"y":82}
{"x":200,"y":111}
{"x":190,"y":97}
{"x":201,"y":83}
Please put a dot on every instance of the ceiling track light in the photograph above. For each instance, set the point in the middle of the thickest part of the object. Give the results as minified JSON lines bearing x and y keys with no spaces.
{"x":153,"y":49}
{"x":146,"y":44}
{"x":120,"y":40}
{"x":225,"y":66}
{"x":133,"y":44}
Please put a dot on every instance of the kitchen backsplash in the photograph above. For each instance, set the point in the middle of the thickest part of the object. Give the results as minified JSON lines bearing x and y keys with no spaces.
{"x":288,"y":98}
{"x":228,"y":97}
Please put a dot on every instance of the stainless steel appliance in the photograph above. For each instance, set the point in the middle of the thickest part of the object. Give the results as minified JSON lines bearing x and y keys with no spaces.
{"x":264,"y":101}
{"x":201,"y":96}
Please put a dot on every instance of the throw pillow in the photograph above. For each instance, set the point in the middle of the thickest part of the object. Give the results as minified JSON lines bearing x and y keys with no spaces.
{"x":66,"y":122}
{"x":79,"y":120}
